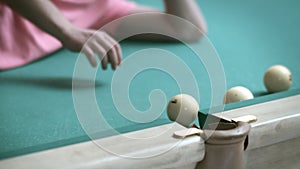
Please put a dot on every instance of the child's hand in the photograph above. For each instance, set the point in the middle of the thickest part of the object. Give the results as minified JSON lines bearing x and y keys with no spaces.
{"x":90,"y":42}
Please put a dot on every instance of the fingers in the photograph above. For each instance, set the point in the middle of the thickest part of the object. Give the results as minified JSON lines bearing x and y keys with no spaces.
{"x":114,"y":55}
{"x":104,"y":62}
{"x":107,"y":49}
{"x":101,"y":52}
{"x":90,"y":55}
{"x":112,"y":59}
{"x":117,"y":48}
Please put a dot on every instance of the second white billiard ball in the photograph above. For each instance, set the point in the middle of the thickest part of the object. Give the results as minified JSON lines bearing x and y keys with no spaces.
{"x":277,"y":78}
{"x":236,"y":94}
{"x":183,"y":109}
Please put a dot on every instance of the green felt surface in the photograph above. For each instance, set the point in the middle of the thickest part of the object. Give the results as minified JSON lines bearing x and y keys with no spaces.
{"x":36,"y":106}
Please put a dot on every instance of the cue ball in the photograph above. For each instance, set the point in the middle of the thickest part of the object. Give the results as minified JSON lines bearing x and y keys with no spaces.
{"x":237,"y":94}
{"x":183,"y":109}
{"x":277,"y":78}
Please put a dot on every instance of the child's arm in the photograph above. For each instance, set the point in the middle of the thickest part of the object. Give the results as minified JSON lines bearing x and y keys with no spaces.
{"x":186,"y":9}
{"x":45,"y":15}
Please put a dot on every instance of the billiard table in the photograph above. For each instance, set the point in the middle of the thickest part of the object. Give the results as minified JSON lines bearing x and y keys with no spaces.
{"x":40,"y":125}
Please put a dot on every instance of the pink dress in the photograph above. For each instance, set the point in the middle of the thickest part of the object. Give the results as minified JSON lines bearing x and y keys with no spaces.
{"x":21,"y":42}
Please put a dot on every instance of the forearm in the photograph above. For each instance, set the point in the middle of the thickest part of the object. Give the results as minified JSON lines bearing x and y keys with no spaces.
{"x":187,"y":9}
{"x":45,"y":15}
{"x":42,"y":13}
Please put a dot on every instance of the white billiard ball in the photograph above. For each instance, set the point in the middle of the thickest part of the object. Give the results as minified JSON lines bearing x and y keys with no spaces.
{"x":236,"y":94}
{"x":183,"y":109}
{"x":277,"y":78}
